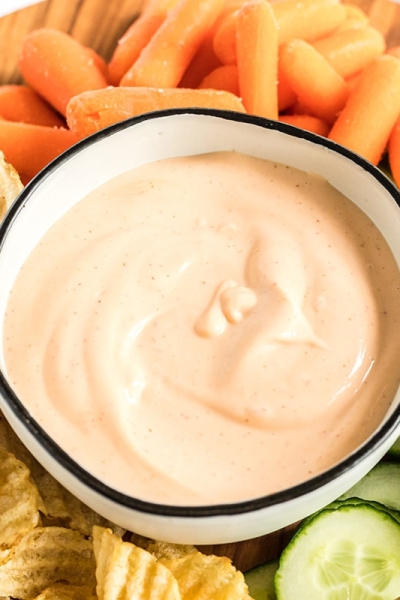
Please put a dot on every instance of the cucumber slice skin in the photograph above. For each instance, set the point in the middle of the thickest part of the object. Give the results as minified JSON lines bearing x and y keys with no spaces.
{"x":381,"y":484}
{"x":350,"y":552}
{"x":351,"y":501}
{"x":378,"y":505}
{"x":260,"y":581}
{"x":355,"y":500}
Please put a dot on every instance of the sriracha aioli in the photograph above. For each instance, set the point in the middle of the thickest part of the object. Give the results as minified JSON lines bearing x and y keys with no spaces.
{"x":207,"y":329}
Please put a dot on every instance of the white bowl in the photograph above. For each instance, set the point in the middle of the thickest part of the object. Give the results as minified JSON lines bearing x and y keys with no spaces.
{"x":114,"y":151}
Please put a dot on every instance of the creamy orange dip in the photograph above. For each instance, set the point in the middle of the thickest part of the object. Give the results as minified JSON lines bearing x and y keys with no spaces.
{"x":207,"y":329}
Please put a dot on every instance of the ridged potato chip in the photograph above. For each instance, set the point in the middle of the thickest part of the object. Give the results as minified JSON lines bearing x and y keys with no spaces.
{"x":45,"y":556}
{"x":19,"y":500}
{"x":10,"y":185}
{"x":165,"y":549}
{"x":60,"y":507}
{"x":207,"y":577}
{"x":63,"y":591}
{"x":124,"y":570}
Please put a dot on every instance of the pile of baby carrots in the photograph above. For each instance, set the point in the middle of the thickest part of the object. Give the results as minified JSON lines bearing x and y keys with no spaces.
{"x":317,"y":64}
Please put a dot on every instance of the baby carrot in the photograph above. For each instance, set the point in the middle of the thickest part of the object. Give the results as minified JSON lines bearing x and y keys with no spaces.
{"x":206,"y":59}
{"x":382,"y":14}
{"x":166,"y":57}
{"x":317,"y":85}
{"x":153,"y":7}
{"x":231,"y":6}
{"x":355,"y":13}
{"x":203,"y":62}
{"x":57,"y":66}
{"x":90,"y":111}
{"x":355,"y":18}
{"x":29,"y":147}
{"x":350,"y":24}
{"x":394,"y":51}
{"x":352,"y":81}
{"x":307,"y":19}
{"x":225,"y":39}
{"x":224,"y":77}
{"x":98,"y":61}
{"x":257,"y":58}
{"x":131,"y":44}
{"x":371,"y":111}
{"x":350,"y":50}
{"x":286,"y":95}
{"x":21,"y":103}
{"x":394,"y":152}
{"x":308,"y":122}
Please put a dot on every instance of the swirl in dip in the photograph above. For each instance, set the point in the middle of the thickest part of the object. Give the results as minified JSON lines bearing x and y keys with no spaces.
{"x":207,"y":329}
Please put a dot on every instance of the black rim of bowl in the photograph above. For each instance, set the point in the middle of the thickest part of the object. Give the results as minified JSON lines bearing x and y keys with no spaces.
{"x":202,"y":511}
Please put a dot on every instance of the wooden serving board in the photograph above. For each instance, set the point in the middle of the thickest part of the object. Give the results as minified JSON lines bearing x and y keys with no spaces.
{"x":99,"y":24}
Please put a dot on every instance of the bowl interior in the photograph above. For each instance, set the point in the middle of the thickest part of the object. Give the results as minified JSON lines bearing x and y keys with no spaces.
{"x":176,"y":133}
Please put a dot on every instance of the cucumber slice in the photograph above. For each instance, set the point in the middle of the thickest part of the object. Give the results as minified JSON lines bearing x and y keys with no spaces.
{"x":260,"y":581}
{"x":338,"y":503}
{"x":348,"y":553}
{"x":381,"y":484}
{"x":378,"y":505}
{"x":352,"y":501}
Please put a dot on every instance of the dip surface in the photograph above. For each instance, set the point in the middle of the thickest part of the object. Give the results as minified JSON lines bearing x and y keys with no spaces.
{"x":208,"y":329}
